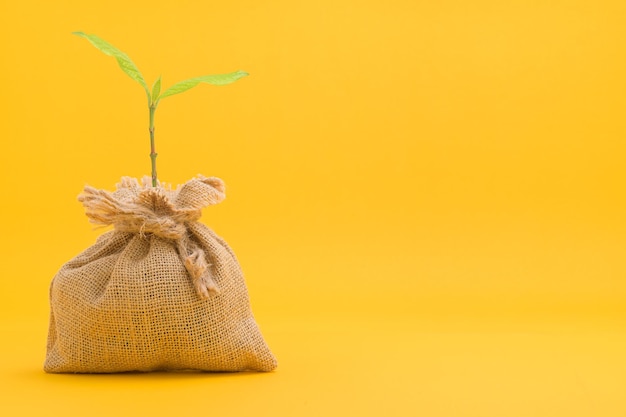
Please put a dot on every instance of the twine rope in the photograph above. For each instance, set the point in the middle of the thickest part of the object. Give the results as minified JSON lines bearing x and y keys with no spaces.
{"x":152,"y":212}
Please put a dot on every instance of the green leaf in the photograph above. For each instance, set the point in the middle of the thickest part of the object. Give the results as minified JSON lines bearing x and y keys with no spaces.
{"x":123,"y":60}
{"x":217,"y":79}
{"x":156,"y":90}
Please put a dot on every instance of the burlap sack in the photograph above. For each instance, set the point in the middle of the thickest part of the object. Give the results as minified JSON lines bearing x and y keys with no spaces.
{"x":159,"y":292}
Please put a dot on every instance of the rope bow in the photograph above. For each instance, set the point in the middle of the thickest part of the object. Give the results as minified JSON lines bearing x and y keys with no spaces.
{"x":162,"y":212}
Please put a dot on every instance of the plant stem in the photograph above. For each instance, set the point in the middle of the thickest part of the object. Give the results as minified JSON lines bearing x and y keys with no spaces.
{"x":153,"y":154}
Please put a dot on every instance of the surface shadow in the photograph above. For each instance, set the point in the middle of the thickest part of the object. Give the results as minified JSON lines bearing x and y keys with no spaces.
{"x":136,"y":375}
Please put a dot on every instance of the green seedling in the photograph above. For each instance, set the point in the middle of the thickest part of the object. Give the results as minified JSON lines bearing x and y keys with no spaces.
{"x":154,"y":95}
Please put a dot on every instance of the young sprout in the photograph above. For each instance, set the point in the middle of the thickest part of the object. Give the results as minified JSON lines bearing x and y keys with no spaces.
{"x":154,"y":95}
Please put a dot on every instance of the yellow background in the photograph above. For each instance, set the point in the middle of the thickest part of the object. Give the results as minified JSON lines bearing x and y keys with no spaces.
{"x":426,"y":197}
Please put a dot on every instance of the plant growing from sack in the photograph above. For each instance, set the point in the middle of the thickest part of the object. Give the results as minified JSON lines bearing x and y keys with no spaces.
{"x":161,"y":291}
{"x":154,"y":94}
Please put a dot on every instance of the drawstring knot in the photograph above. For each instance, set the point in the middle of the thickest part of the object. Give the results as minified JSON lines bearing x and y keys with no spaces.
{"x":162,"y":212}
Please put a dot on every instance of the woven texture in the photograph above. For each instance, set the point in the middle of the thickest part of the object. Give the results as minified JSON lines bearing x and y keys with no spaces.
{"x":159,"y":292}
